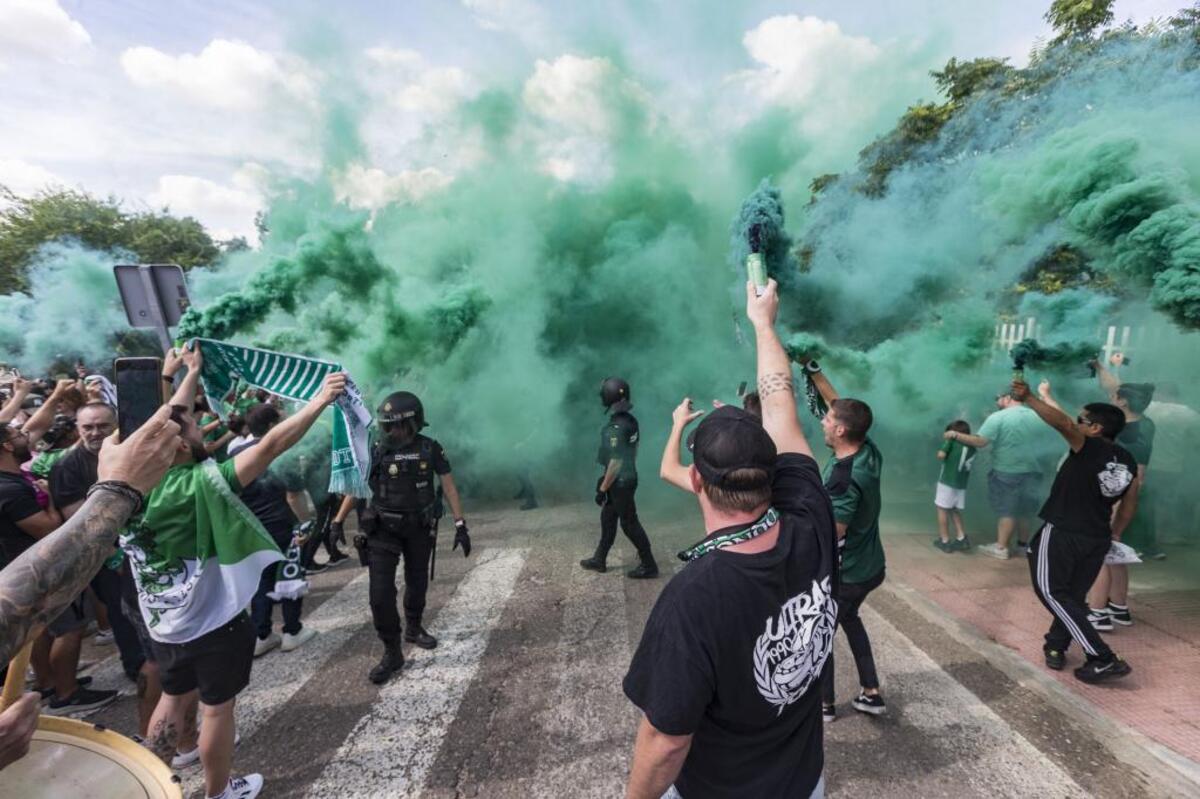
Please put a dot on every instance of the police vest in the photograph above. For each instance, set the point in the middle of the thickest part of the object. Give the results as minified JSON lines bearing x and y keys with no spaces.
{"x":401,"y":479}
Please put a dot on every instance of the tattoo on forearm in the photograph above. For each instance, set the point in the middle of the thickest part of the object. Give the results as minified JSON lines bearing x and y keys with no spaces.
{"x":48,"y":576}
{"x":776,"y":381}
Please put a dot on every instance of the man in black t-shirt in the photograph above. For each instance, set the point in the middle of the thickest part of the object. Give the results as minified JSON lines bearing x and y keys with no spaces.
{"x":727,"y":673}
{"x":267,"y":498}
{"x":1066,"y":554}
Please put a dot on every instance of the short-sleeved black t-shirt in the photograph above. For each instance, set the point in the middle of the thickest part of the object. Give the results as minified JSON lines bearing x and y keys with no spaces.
{"x":73,"y":475}
{"x":266,"y":497}
{"x":733,"y":651}
{"x":619,"y":441}
{"x":1138,"y":438}
{"x":1087,"y":486}
{"x":18,"y":501}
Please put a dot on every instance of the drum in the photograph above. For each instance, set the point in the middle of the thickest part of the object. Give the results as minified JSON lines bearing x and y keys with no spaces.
{"x":73,"y":758}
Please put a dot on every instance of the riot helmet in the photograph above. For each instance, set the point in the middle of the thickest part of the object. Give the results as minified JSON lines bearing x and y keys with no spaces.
{"x":401,"y":406}
{"x":614,"y":393}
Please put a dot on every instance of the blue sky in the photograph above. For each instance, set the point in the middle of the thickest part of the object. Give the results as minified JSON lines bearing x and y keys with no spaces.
{"x":195,"y":104}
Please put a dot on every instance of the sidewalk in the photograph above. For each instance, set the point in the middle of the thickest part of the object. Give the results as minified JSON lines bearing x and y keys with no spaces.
{"x":1163,"y":645}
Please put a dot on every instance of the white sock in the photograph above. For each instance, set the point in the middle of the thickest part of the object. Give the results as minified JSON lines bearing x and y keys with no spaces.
{"x":223,"y":794}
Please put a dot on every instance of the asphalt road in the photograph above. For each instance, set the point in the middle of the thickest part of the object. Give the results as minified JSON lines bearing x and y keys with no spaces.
{"x":523,"y":696}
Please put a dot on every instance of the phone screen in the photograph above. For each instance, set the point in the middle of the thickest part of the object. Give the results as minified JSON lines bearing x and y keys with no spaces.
{"x":139,"y":392}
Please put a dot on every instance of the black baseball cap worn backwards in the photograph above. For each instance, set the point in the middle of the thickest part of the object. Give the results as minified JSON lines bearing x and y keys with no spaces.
{"x":729,"y":440}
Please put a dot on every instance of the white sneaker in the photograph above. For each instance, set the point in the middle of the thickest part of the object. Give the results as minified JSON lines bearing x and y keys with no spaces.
{"x":246,"y":787}
{"x":264,"y":645}
{"x":298,"y":640}
{"x":993,"y":551}
{"x":104,"y":638}
{"x":185,"y":759}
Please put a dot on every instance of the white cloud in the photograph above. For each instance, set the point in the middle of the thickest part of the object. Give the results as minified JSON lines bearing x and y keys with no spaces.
{"x":523,"y":18}
{"x":40,"y":28}
{"x":804,"y":56}
{"x":583,"y":103}
{"x":842,"y":89}
{"x":414,"y":85}
{"x":227,"y":210}
{"x":372,"y":188}
{"x":24,"y":178}
{"x":225,"y":74}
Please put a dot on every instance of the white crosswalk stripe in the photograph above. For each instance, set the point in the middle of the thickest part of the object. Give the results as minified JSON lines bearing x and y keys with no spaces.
{"x":390,"y":751}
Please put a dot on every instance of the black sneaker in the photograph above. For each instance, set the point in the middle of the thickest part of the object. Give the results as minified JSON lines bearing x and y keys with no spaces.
{"x":828,"y":713}
{"x":48,"y":693}
{"x":336,"y":558}
{"x":1055,"y":659}
{"x":961,"y":544}
{"x":529,"y":504}
{"x":1100,"y":620}
{"x":1096,"y":670}
{"x":316,"y":568}
{"x":1119,"y":615}
{"x":645,"y":571}
{"x":415,"y":634}
{"x":944,"y":546}
{"x":84,"y":700}
{"x":592,"y":564}
{"x":873,"y":705}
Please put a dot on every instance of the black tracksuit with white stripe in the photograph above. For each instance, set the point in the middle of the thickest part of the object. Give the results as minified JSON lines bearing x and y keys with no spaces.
{"x":1066,"y":554}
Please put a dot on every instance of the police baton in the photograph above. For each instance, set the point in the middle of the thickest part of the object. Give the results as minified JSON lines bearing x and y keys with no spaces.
{"x":438,"y":510}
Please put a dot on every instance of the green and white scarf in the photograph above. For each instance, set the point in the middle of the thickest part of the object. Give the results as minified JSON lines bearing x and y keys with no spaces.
{"x":294,"y":377}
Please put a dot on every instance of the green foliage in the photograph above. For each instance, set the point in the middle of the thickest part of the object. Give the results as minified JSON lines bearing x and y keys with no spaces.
{"x":919,"y":125}
{"x":819,"y":184}
{"x":1078,"y":19}
{"x":962,"y":79}
{"x":28,"y":223}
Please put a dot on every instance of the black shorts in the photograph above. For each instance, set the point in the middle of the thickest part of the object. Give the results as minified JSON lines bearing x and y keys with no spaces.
{"x":216,"y":663}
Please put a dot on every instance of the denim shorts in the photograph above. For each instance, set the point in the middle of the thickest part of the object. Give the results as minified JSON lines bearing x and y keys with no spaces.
{"x":1014,"y":494}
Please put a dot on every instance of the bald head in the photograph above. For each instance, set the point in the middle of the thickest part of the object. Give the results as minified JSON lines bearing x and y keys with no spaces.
{"x":95,"y":422}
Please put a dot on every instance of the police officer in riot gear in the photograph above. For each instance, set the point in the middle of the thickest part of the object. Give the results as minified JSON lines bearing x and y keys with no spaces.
{"x":400,"y":522}
{"x":618,"y":483}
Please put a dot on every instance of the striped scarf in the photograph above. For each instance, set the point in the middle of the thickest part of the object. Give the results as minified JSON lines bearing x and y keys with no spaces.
{"x":294,"y":377}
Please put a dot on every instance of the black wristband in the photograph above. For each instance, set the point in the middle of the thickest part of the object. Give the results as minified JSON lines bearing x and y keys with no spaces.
{"x":122,"y":488}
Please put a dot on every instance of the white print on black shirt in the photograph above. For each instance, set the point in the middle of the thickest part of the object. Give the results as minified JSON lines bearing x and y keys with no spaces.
{"x":1115,"y":478}
{"x":788,"y":656}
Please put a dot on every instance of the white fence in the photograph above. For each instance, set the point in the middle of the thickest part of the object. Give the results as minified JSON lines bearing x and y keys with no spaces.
{"x":1117,"y":338}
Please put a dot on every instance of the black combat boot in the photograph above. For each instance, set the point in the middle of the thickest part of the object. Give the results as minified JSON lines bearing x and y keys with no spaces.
{"x":415,"y":634}
{"x":594,"y":564}
{"x":389,"y":664}
{"x":644,"y":571}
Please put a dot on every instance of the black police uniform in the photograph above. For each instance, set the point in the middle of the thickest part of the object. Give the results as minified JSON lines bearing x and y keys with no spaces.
{"x":619,"y":441}
{"x":399,"y":523}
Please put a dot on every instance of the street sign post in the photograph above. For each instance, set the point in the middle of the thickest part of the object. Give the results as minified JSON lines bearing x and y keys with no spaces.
{"x":154,"y":295}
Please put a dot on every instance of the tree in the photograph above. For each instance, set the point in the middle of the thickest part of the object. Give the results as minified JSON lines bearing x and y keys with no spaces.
{"x":26,"y":223}
{"x":1078,"y":19}
{"x":961,"y":79}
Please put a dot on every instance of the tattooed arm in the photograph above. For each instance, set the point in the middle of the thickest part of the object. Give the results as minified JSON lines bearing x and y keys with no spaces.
{"x":40,"y":583}
{"x":775,"y":389}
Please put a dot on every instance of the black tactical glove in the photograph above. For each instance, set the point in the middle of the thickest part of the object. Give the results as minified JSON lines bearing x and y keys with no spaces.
{"x":461,"y":538}
{"x":601,"y":496}
{"x":338,"y":531}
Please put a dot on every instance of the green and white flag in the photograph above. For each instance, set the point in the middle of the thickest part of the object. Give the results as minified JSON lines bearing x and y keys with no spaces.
{"x":197,"y":552}
{"x":294,"y":377}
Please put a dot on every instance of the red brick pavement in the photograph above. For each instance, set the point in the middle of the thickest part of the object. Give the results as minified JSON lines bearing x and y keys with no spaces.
{"x":1159,"y":699}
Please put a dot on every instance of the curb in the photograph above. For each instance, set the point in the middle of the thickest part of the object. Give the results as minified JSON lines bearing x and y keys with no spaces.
{"x":1167,"y":770}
